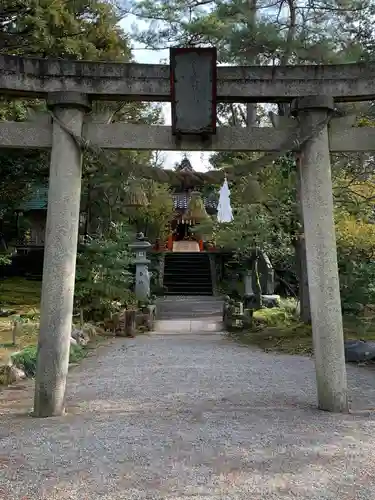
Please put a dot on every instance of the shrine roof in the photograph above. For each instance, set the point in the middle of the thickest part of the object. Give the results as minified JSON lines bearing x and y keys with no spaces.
{"x":185,"y":166}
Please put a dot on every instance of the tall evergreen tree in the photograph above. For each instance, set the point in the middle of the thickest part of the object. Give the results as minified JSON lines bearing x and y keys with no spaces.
{"x":80,"y":30}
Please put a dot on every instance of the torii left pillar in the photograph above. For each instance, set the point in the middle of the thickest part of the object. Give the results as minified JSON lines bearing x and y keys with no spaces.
{"x":60,"y":254}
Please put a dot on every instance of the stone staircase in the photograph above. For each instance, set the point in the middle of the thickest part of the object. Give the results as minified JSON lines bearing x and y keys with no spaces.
{"x":189,"y":314}
{"x":187,"y":274}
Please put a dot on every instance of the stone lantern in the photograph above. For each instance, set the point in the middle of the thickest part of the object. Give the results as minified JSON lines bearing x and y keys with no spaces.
{"x":142,"y":275}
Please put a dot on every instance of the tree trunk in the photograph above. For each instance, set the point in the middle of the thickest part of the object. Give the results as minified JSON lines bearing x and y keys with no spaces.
{"x":251,"y":108}
{"x":300,"y":254}
{"x":304,"y":296}
{"x":251,"y":113}
{"x":88,"y":211}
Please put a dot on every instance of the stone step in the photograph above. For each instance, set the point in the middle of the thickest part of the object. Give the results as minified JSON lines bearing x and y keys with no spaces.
{"x":181,"y":290}
{"x":199,"y":293}
{"x":183,"y":326}
{"x":188,"y":299}
{"x":187,"y":279}
{"x":189,"y":307}
{"x":182,"y":268}
{"x":194,"y":286}
{"x":185,"y":288}
{"x":187,"y":274}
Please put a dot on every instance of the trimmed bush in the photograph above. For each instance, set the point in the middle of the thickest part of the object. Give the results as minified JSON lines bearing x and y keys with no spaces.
{"x":26,"y":359}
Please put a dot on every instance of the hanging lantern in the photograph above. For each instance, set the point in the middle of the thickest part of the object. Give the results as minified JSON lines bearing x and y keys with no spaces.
{"x":134,"y":195}
{"x":196,"y":211}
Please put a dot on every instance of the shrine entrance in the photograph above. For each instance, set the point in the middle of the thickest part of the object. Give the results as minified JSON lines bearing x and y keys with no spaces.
{"x":191,"y":209}
{"x":194,"y":85}
{"x":184,"y":239}
{"x":183,"y":231}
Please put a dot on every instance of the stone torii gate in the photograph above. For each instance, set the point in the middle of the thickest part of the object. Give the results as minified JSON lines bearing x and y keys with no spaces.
{"x":69,"y":87}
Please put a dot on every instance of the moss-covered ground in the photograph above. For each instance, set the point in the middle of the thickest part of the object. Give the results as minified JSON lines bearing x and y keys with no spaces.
{"x":279,"y":330}
{"x":21,"y":297}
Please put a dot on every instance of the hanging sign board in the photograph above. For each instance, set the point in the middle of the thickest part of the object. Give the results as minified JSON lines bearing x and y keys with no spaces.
{"x":193,"y":91}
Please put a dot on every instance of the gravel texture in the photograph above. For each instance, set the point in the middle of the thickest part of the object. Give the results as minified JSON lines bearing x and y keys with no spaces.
{"x":189,"y":417}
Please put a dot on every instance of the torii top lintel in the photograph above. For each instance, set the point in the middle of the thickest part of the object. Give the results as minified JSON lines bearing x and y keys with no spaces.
{"x":31,"y":77}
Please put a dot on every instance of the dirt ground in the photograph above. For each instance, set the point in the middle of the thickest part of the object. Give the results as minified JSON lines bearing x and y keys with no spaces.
{"x":189,"y":416}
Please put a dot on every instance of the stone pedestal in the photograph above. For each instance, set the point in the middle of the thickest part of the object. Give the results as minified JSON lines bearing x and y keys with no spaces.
{"x":322,"y":270}
{"x":64,"y":196}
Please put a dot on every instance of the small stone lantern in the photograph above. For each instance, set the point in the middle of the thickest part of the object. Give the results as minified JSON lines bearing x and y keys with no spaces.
{"x":142,"y":275}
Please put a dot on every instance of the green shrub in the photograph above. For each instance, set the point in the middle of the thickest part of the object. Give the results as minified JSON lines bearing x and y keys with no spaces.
{"x":276,"y":316}
{"x":26,"y":359}
{"x":103,"y":278}
{"x":357,"y":283}
{"x":77,"y":353}
{"x":289,"y":305}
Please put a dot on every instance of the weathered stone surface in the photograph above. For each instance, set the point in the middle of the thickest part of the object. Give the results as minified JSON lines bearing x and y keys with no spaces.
{"x":142,"y":274}
{"x":143,"y":137}
{"x":64,"y":195}
{"x":146,"y":82}
{"x":80,"y":336}
{"x":321,"y":256}
{"x":359,"y":351}
{"x":25,"y":135}
{"x":146,"y":318}
{"x":271,"y":300}
{"x":188,"y":307}
{"x":9,"y":374}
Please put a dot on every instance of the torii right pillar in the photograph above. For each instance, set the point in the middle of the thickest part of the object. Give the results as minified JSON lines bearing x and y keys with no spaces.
{"x":322,"y":269}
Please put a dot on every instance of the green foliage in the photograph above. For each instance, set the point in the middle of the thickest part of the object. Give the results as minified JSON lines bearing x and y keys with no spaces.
{"x":265,"y":204}
{"x":76,"y":353}
{"x":283,"y":316}
{"x":20,"y":292}
{"x":154,"y":218}
{"x":259,"y":31}
{"x":26,"y":359}
{"x":253,"y":227}
{"x":83,"y":29}
{"x":357,"y":283}
{"x":103,"y":279}
{"x":18,"y":171}
{"x":4,"y":259}
{"x":278,"y":329}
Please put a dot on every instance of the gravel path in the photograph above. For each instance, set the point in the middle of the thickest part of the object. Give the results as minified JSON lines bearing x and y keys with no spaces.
{"x":190,"y":417}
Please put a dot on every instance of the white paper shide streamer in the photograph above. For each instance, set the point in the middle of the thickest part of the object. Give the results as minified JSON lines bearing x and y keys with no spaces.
{"x":224,"y":210}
